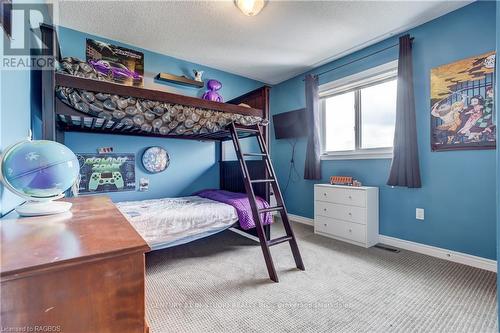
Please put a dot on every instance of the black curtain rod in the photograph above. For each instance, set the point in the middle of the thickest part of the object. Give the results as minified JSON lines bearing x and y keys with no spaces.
{"x":363,"y":57}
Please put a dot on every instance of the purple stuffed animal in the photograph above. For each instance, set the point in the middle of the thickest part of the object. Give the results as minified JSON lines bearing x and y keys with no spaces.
{"x":211,"y":94}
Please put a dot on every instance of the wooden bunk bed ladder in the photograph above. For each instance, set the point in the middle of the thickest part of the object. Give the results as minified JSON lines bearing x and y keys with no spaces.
{"x":256,"y":212}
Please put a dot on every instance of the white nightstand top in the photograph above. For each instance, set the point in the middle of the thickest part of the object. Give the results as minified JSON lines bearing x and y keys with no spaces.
{"x":347,"y":186}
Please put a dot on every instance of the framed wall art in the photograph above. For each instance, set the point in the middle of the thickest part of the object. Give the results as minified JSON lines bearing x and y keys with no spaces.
{"x":118,"y":64}
{"x":155,"y":159}
{"x":101,"y":173}
{"x":462,"y":104}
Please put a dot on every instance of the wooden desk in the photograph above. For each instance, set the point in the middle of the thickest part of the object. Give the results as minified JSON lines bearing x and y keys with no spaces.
{"x":81,"y":271}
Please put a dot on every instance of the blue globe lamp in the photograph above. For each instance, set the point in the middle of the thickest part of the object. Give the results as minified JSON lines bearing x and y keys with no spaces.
{"x":39,"y":171}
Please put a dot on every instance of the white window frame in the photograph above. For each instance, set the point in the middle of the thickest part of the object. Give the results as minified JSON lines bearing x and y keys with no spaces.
{"x":354,"y":82}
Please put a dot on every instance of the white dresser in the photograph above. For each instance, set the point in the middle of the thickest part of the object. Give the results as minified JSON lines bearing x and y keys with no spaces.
{"x":347,"y":213}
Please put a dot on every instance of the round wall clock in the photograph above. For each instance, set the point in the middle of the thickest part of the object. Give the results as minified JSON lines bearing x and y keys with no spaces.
{"x":155,"y":159}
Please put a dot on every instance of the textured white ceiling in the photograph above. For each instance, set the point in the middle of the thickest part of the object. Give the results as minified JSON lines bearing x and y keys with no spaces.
{"x":285,"y":39}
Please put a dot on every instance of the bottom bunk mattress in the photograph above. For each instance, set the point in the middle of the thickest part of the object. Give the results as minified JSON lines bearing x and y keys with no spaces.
{"x":173,"y":221}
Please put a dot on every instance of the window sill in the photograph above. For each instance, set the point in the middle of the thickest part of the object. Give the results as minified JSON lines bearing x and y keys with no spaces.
{"x":358,"y":155}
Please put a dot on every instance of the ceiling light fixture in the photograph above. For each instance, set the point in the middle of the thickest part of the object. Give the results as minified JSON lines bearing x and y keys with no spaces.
{"x":250,"y":7}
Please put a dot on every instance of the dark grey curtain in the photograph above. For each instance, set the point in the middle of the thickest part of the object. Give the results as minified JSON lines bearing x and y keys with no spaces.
{"x":313,"y":163}
{"x":405,"y":169}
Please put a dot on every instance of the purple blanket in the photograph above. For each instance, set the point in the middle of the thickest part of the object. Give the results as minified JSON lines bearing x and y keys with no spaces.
{"x":242,"y":205}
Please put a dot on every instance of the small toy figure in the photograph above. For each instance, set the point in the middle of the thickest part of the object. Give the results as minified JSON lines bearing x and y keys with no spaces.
{"x":356,"y":183}
{"x":211,"y":94}
{"x":197,"y":75}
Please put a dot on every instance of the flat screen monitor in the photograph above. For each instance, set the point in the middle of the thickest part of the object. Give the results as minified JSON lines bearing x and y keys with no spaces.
{"x":292,"y":124}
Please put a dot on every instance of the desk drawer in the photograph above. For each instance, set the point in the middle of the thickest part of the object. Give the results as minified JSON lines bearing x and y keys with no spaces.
{"x":341,"y":212}
{"x":340,"y":196}
{"x":347,"y":230}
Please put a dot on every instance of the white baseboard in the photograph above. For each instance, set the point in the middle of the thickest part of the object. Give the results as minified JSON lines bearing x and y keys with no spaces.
{"x":459,"y":257}
{"x":301,"y":219}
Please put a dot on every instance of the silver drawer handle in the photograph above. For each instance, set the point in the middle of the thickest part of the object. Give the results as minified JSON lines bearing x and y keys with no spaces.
{"x":350,"y":197}
{"x":350,"y":214}
{"x":324,"y":224}
{"x":350,"y":230}
{"x":324,"y":194}
{"x":324,"y":209}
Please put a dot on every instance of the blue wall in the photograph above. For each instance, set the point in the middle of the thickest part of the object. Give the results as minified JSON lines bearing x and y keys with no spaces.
{"x":458,"y":192}
{"x":15,"y":104}
{"x":498,"y":150}
{"x":14,"y":119}
{"x":193,"y":164}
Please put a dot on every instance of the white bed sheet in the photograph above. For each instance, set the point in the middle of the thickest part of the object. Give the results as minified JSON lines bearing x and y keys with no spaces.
{"x":173,"y":221}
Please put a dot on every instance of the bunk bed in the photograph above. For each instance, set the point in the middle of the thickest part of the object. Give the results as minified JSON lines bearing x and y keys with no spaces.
{"x":76,"y":99}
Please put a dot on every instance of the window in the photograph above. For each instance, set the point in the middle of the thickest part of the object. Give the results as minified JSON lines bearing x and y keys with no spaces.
{"x":358,"y":114}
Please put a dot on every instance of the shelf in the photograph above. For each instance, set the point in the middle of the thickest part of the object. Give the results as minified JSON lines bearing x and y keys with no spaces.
{"x":179,"y":80}
{"x":106,"y":87}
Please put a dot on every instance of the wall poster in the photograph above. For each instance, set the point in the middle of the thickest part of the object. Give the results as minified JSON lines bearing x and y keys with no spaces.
{"x":118,"y":64}
{"x":101,"y":173}
{"x":462,"y":104}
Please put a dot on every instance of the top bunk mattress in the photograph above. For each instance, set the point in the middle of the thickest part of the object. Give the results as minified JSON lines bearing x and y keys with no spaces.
{"x":172,"y":221}
{"x":149,"y":116}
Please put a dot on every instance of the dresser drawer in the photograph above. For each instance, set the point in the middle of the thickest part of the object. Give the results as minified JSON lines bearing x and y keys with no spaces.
{"x":341,"y":212}
{"x":340,"y":196}
{"x":347,"y":230}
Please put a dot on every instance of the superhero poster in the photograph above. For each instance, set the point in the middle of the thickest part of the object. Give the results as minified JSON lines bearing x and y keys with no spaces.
{"x":462,"y":104}
{"x":100,"y":173}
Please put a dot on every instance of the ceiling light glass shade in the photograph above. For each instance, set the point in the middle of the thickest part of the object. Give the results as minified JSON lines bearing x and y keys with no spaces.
{"x":250,"y":7}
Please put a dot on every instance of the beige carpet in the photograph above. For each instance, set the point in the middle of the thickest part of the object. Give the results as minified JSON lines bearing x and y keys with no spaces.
{"x":220,"y":284}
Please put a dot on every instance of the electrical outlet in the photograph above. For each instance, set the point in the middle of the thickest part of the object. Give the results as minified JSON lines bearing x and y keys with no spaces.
{"x":419,"y":214}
